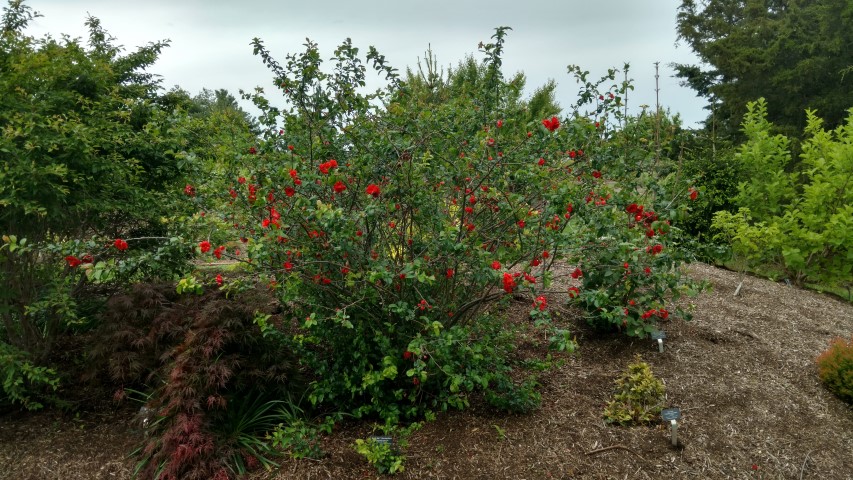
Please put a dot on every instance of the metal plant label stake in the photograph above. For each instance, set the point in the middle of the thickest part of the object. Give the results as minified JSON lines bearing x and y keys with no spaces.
{"x":659,"y":336}
{"x":672,"y":415}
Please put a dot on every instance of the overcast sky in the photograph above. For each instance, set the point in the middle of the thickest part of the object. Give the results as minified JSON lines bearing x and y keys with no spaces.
{"x":210,"y":39}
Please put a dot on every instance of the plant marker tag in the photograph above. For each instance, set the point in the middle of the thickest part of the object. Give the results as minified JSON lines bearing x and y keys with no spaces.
{"x":383,"y":440}
{"x":672,"y":415}
{"x":659,"y":336}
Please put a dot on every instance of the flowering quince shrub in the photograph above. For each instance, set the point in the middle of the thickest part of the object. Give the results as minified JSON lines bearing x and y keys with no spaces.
{"x":387,"y":224}
{"x":626,"y":246}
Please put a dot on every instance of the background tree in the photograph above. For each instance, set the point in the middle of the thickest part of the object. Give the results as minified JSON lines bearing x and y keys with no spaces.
{"x":794,"y":53}
{"x":88,"y":152}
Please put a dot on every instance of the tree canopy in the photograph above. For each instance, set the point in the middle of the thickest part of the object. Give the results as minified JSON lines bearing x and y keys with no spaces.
{"x":797,"y":54}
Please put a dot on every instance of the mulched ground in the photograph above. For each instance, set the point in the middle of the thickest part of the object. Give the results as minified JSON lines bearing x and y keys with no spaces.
{"x":742,"y":373}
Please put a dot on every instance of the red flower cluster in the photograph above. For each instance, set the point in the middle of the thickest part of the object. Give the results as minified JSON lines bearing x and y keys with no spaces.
{"x":509,"y":283}
{"x":373,"y":190}
{"x":325,"y":167}
{"x":577,"y":273}
{"x":204,"y":246}
{"x":120,"y":244}
{"x":540,"y":303}
{"x":189,"y":190}
{"x":253,"y":150}
{"x":72,"y":261}
{"x":596,"y":174}
{"x":574,"y":292}
{"x":218,"y":252}
{"x":339,"y":187}
{"x":552,"y":124}
{"x":654,"y":250}
{"x":295,"y":177}
{"x":219,"y":279}
{"x":662,"y":313}
{"x":496,"y":265}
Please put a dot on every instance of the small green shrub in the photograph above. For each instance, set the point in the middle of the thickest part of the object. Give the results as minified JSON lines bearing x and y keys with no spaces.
{"x":21,"y":379}
{"x":639,"y":396}
{"x":835,"y":368}
{"x":387,"y":457}
{"x":507,"y":396}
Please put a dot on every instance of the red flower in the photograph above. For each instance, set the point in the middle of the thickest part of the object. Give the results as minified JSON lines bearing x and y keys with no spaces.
{"x":472,"y":200}
{"x":373,"y":190}
{"x":289,"y":191}
{"x":358,"y":233}
{"x":449,"y":273}
{"x":541,"y":162}
{"x":578,"y":273}
{"x":496,"y":265}
{"x":253,"y":150}
{"x":189,"y":190}
{"x":521,"y":224}
{"x":233,"y":193}
{"x":416,"y":381}
{"x":572,"y":154}
{"x":344,"y":270}
{"x":72,"y":261}
{"x":574,"y":292}
{"x":500,"y":123}
{"x":204,"y":246}
{"x":407,"y":355}
{"x":509,"y":283}
{"x":120,"y":244}
{"x":241,"y":180}
{"x":325,"y":167}
{"x":541,"y":303}
{"x":662,"y":313}
{"x":654,"y":250}
{"x":694,"y":194}
{"x":219,"y":279}
{"x":288,"y":266}
{"x":88,"y":258}
{"x":218,"y":252}
{"x":339,"y":187}
{"x":596,"y":174}
{"x":552,"y":124}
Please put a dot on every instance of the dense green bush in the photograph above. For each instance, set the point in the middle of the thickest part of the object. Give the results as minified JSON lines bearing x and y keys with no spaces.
{"x":800,"y":221}
{"x":835,"y":368}
{"x":87,"y":155}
